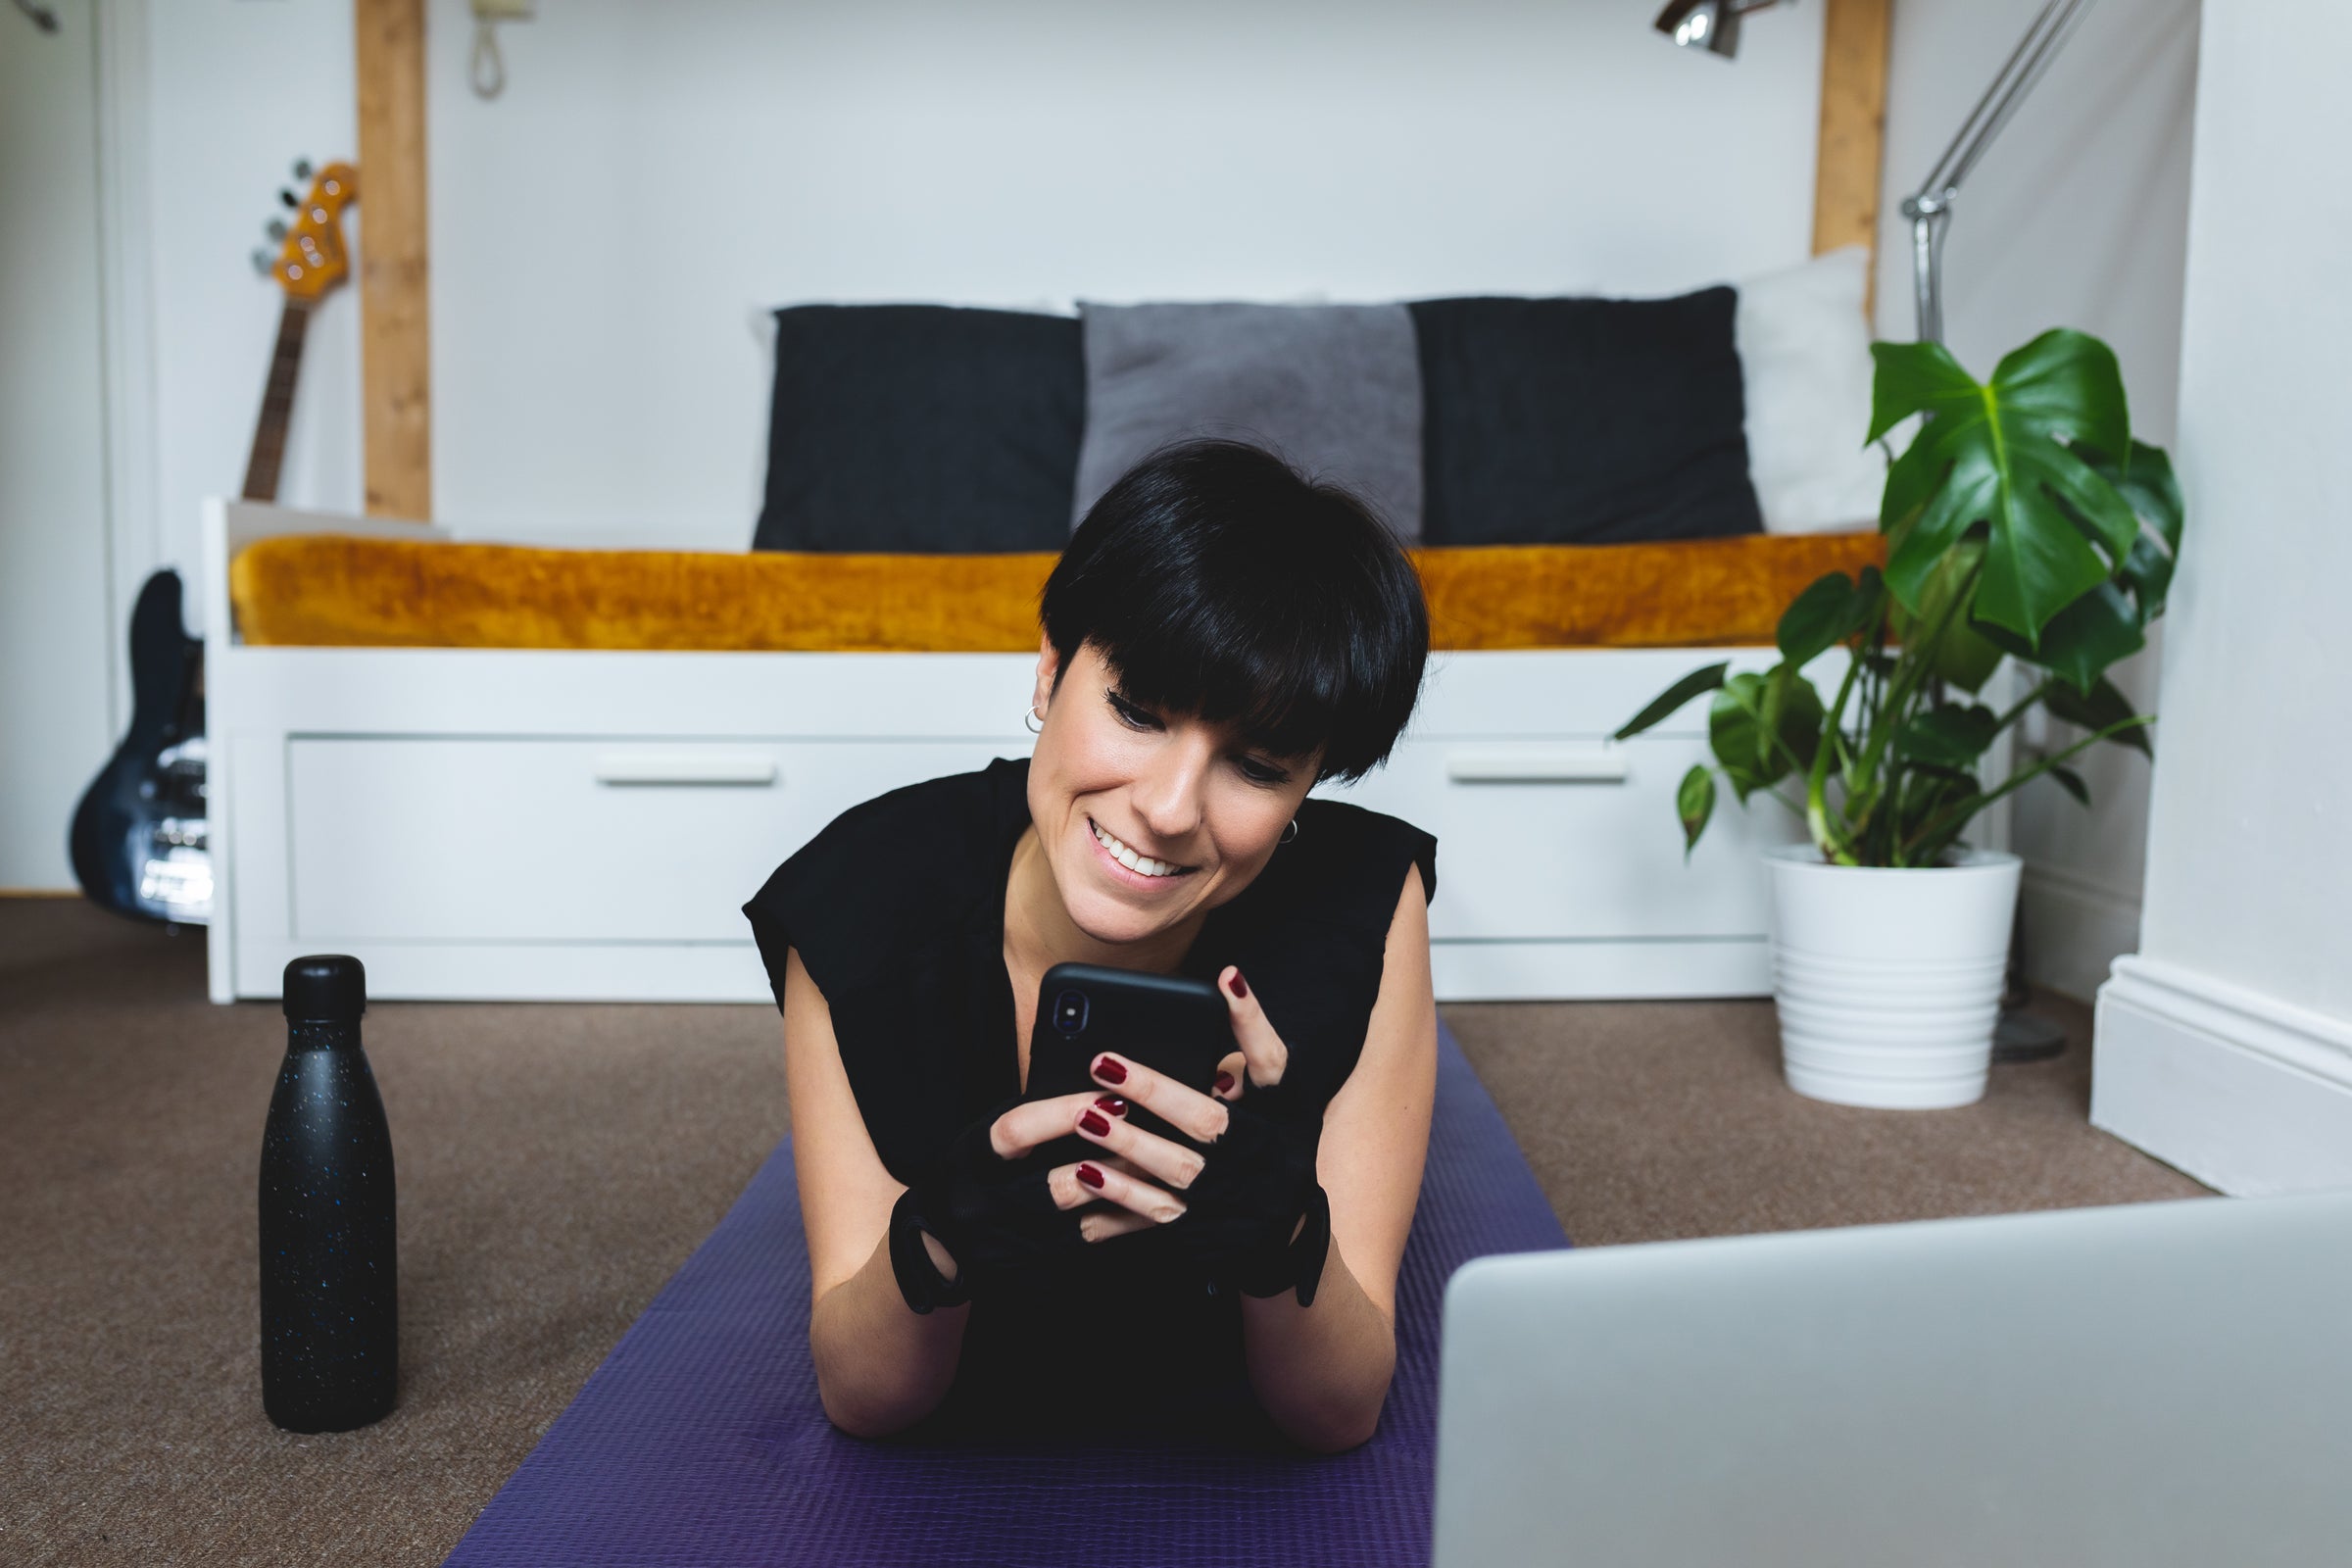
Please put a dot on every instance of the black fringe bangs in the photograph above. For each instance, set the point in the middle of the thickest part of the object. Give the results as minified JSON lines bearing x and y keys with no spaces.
{"x":1217,"y":581}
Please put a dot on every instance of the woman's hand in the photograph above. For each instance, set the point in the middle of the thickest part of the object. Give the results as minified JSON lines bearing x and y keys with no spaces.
{"x":986,"y":1210}
{"x":1255,"y":1217}
{"x":1135,"y":1204}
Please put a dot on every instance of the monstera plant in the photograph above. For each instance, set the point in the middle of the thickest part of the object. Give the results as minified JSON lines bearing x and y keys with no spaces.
{"x":2022,"y":520}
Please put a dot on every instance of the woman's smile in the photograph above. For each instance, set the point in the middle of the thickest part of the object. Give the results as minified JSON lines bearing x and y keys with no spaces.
{"x":1137,"y":869}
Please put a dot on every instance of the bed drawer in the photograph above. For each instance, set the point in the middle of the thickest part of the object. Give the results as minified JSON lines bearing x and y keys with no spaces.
{"x":423,"y":838}
{"x":1575,"y":838}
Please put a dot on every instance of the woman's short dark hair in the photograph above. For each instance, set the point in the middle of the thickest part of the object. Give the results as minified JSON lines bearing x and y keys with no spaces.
{"x":1218,"y":581}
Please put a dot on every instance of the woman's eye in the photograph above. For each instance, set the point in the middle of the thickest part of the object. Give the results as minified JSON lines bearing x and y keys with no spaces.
{"x":1132,"y":715}
{"x":1136,"y":716}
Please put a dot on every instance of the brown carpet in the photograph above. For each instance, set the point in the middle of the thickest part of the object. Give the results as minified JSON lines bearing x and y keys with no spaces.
{"x":557,"y":1163}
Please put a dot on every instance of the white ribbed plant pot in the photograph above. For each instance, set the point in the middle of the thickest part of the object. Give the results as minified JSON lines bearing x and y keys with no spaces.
{"x":1888,"y":982}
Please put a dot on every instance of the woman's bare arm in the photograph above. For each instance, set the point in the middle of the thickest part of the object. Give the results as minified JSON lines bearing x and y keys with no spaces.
{"x":1322,"y":1372}
{"x":880,"y":1368}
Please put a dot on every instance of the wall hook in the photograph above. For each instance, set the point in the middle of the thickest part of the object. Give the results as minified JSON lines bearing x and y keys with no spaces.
{"x":487,"y":68}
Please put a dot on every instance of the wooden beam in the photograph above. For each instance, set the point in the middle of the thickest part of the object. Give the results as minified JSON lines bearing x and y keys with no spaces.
{"x":396,"y":369}
{"x":1852,"y":157}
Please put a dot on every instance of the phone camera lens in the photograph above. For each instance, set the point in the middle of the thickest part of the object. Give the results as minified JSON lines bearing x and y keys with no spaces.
{"x":1069,"y":1011}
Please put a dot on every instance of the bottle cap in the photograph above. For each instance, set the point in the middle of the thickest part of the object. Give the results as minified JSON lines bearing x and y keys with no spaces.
{"x":325,"y":988}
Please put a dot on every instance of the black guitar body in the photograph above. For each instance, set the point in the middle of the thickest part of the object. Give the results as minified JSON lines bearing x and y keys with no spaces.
{"x":139,"y":839}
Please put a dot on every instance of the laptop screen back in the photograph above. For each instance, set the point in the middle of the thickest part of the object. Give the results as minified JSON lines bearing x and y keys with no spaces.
{"x":2158,"y":1384}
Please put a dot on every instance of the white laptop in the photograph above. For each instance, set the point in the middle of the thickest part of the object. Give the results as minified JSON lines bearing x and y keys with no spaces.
{"x":2147,"y":1385}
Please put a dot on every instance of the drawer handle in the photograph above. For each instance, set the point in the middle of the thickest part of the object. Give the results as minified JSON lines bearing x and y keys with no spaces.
{"x":1589,"y":764}
{"x":684,"y":767}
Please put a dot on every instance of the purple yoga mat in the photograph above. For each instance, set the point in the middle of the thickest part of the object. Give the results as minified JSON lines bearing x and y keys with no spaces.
{"x":700,"y":1439}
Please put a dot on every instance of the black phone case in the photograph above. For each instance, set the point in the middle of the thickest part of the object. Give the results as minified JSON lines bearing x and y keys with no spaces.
{"x":1173,"y":1026}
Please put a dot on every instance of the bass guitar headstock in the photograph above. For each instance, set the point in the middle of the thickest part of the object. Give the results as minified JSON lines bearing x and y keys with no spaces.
{"x":310,"y":257}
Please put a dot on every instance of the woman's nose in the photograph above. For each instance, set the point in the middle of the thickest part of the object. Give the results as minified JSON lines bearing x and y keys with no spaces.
{"x":1167,"y":796}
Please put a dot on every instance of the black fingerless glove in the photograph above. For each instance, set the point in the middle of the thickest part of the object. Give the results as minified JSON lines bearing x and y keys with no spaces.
{"x":995,"y":1216}
{"x":1256,"y":1183}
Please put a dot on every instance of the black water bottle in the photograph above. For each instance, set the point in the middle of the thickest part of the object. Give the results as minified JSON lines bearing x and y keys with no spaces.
{"x":330,"y":1319}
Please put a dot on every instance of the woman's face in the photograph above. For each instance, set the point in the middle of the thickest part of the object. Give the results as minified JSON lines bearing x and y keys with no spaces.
{"x":1148,"y":818}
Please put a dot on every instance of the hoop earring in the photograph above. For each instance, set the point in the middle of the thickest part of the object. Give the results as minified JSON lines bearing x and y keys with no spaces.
{"x":1033,"y":721}
{"x":1289,"y":833}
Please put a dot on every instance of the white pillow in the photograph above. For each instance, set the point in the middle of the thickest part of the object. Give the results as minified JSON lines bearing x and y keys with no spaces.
{"x":1805,"y":368}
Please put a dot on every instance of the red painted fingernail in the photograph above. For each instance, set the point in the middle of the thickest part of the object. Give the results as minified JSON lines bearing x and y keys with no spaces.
{"x":1091,"y":1176}
{"x":1237,"y":985}
{"x":1224,"y":1082}
{"x":1112,"y":1103}
{"x":1094,"y":1121}
{"x":1110,"y":1071}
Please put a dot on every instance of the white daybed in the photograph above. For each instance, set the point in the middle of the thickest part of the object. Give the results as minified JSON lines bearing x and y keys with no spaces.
{"x":518,"y":824}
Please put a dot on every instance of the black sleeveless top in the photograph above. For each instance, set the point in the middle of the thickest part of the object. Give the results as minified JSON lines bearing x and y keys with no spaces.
{"x":898,"y":912}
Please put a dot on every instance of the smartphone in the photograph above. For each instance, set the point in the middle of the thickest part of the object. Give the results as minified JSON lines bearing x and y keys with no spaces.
{"x":1176,"y":1027}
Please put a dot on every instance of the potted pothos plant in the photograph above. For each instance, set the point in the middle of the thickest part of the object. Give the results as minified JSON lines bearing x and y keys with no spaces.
{"x":2023,"y":522}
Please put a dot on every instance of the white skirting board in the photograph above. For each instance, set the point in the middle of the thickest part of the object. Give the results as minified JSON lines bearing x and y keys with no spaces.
{"x":2245,"y":1093}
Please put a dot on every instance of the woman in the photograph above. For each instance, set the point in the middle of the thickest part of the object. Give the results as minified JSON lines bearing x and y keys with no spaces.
{"x":1219,"y":636}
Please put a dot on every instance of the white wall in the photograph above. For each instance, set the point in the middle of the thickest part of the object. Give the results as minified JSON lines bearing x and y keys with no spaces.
{"x":141,"y":150}
{"x":2249,"y":870}
{"x":235,"y":92}
{"x":608,"y":234}
{"x":2226,"y":1046}
{"x":2078,"y":217}
{"x":56,"y":648}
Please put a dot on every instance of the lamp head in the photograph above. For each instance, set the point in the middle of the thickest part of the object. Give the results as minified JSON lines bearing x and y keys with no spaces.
{"x":1709,"y":25}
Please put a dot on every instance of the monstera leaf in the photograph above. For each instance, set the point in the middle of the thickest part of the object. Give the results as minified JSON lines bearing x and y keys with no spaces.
{"x":2003,"y":456}
{"x":1764,"y":727}
{"x":2145,"y":482}
{"x":2109,"y":622}
{"x":1833,"y":609}
{"x":1952,"y":736}
{"x":1961,"y":656}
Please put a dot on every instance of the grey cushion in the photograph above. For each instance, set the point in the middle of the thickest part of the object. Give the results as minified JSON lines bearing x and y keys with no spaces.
{"x":1336,"y":389}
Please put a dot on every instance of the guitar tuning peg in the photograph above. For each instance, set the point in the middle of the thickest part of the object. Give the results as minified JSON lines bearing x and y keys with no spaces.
{"x":276,"y":228}
{"x":302,"y":169}
{"x":263,"y":262}
{"x":289,"y":198}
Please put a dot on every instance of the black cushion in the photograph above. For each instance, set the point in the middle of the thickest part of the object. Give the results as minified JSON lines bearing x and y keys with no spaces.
{"x":920,"y":427}
{"x":1581,"y":420}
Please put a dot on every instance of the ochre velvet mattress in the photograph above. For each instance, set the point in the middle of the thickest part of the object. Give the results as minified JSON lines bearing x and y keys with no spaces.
{"x":346,"y":591}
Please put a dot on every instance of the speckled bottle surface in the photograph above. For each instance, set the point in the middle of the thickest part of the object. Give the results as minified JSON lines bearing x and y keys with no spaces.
{"x":330,"y":1319}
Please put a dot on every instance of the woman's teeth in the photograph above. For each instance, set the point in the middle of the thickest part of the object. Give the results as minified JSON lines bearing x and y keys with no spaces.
{"x":1142,"y":864}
